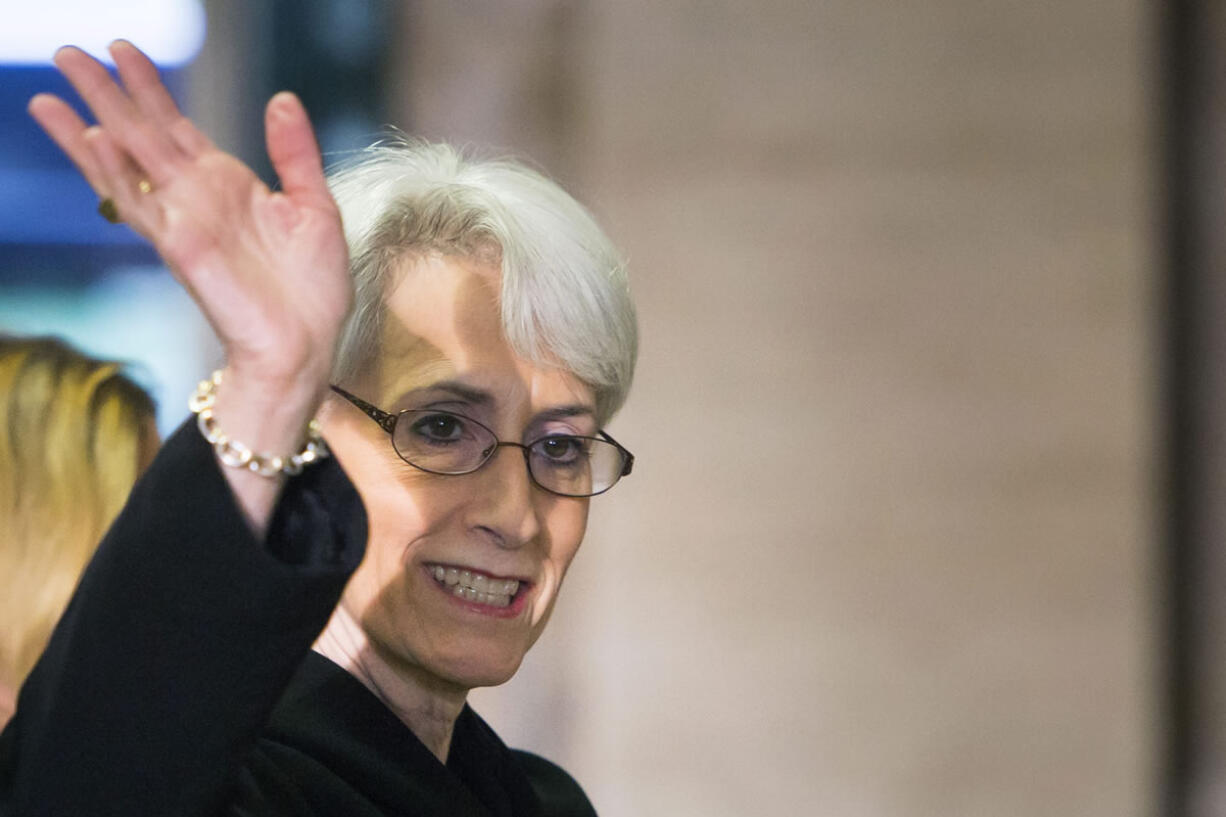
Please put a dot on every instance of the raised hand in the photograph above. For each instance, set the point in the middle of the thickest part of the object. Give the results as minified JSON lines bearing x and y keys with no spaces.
{"x":268,"y":269}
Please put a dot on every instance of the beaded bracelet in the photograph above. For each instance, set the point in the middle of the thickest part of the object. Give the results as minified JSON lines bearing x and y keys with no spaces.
{"x":237,"y":455}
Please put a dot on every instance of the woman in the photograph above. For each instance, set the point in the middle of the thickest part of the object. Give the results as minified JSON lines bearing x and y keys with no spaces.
{"x":75,"y":433}
{"x":491,"y":338}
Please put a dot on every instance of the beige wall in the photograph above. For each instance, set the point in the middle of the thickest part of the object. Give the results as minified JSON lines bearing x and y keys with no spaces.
{"x":888,"y":547}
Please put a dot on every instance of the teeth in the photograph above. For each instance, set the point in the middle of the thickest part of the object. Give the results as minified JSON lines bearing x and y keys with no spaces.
{"x":452,"y":577}
{"x":476,"y":587}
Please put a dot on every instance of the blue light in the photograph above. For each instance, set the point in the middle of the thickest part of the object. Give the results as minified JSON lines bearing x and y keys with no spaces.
{"x":44,"y":202}
{"x":171,"y":32}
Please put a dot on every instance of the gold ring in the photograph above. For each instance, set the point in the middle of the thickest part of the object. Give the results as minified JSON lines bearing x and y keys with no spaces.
{"x":108,"y":210}
{"x":144,"y":186}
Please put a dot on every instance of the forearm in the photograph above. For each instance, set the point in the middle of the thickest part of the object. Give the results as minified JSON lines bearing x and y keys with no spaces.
{"x":180,"y":639}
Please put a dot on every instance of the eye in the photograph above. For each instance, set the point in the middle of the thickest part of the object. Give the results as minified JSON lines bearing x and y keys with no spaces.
{"x":439,"y":428}
{"x":561,"y":450}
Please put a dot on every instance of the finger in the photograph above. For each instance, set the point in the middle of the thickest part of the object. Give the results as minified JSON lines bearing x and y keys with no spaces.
{"x":144,"y":85}
{"x":141,"y":79}
{"x":294,"y":151}
{"x":57,"y":118}
{"x":190,"y":139}
{"x":123,"y":179}
{"x":147,"y":145}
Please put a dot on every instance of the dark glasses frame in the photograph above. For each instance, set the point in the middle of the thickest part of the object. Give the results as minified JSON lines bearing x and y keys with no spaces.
{"x":387,"y":421}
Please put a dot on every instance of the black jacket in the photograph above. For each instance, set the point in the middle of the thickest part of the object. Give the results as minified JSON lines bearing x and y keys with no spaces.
{"x":180,"y":680}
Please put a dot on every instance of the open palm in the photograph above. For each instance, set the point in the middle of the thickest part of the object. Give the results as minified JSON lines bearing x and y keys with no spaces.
{"x":267,"y":268}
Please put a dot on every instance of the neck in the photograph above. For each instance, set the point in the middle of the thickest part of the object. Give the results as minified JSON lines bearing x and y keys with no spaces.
{"x":8,"y":703}
{"x":426,"y":705}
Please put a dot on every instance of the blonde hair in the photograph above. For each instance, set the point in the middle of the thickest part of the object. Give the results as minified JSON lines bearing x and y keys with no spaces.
{"x":565,"y":295}
{"x":74,"y":435}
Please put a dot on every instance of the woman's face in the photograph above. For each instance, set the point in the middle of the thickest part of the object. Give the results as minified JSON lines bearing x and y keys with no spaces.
{"x":442,"y":348}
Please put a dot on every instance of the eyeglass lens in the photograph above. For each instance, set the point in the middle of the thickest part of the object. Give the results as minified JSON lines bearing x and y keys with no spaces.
{"x":445,"y":443}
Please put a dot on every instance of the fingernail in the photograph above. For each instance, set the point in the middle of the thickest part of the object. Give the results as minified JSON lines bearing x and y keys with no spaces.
{"x":284,"y":102}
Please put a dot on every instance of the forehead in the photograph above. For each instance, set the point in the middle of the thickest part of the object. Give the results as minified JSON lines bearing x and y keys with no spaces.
{"x":442,"y":306}
{"x":443,"y":322}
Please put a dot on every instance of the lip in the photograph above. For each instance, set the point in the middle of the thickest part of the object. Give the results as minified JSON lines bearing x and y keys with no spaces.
{"x":518,"y":602}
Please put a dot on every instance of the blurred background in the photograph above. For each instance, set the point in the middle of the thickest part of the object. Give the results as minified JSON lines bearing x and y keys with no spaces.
{"x":929,"y":415}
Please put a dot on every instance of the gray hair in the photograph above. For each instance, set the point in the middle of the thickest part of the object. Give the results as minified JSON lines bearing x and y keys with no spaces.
{"x":565,"y":296}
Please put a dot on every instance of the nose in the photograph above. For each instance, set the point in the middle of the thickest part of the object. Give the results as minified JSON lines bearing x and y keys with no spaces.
{"x":504,"y":507}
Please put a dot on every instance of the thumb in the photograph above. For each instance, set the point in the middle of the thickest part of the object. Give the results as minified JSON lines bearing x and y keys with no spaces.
{"x":293,"y":149}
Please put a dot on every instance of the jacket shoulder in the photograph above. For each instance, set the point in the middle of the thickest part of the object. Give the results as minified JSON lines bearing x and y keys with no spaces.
{"x":560,"y":794}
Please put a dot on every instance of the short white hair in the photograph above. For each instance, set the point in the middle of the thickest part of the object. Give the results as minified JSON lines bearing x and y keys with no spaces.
{"x":565,"y":295}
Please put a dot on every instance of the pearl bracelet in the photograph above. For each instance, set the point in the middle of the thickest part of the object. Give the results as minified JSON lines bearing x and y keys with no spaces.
{"x":235,"y":454}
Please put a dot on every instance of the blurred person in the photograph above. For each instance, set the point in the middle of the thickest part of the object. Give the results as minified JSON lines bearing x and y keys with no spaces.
{"x":75,"y":433}
{"x":270,"y":630}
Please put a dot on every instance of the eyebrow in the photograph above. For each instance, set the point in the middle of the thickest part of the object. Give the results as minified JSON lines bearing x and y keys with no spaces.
{"x":469,"y":394}
{"x":483,"y":398}
{"x":577,"y":410}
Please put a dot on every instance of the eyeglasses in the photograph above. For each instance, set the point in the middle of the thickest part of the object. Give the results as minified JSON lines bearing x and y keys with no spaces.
{"x":443,"y":442}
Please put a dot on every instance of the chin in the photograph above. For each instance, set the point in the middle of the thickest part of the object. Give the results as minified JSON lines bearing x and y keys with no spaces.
{"x":469,"y":660}
{"x":477,"y":671}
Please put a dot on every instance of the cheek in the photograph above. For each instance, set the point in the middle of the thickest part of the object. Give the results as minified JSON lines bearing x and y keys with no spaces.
{"x":403,"y":507}
{"x":400,"y":501}
{"x":567,"y":525}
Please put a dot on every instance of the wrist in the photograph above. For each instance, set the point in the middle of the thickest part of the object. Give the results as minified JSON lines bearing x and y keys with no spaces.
{"x":277,"y":385}
{"x":265,"y":418}
{"x":259,"y":434}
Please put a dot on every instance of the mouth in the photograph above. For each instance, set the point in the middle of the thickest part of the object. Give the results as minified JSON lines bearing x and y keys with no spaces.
{"x":479,"y":589}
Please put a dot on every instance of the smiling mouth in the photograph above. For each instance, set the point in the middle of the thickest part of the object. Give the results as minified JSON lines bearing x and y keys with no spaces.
{"x":476,"y":587}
